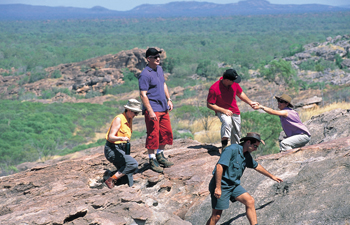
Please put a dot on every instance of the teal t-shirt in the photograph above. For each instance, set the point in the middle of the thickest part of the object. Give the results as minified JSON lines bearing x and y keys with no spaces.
{"x":234,"y":163}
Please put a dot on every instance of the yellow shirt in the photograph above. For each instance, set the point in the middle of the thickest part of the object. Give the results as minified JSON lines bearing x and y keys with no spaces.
{"x":125,"y":129}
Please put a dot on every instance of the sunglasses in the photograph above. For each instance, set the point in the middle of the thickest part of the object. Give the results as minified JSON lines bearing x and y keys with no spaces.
{"x":154,"y":57}
{"x":281,"y":101}
{"x":136,"y":113}
{"x":255,"y":146}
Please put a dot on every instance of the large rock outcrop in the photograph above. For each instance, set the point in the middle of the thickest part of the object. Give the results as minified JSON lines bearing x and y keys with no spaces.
{"x":90,"y":75}
{"x":70,"y":189}
{"x":329,"y":126}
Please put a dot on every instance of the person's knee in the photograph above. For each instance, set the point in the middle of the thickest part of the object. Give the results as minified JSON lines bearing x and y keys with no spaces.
{"x":216,"y":215}
{"x":284,"y":146}
{"x":250,"y":202}
{"x":131,"y":165}
{"x":134,"y":165}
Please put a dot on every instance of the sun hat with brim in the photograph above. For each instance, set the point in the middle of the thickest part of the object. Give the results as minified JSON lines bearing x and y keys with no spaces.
{"x":133,"y":105}
{"x":286,"y":98}
{"x":252,"y":136}
{"x":232,"y":75}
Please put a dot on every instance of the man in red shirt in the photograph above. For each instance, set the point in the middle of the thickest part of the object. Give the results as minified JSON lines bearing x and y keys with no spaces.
{"x":222,"y":99}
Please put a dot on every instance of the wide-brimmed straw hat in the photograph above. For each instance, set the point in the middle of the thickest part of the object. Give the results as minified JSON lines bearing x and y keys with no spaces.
{"x":286,"y":98}
{"x":133,"y":105}
{"x":253,"y":136}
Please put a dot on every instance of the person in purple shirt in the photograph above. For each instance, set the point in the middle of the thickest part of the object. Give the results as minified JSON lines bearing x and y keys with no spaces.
{"x":297,"y":133}
{"x":156,"y":107}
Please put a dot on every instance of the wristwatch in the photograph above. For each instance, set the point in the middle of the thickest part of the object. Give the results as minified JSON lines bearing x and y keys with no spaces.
{"x":169,"y":99}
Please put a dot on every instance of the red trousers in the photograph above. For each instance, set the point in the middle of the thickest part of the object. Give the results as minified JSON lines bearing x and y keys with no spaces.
{"x":158,"y":132}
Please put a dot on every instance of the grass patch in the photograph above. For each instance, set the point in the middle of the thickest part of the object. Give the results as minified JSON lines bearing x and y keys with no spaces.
{"x":309,"y":113}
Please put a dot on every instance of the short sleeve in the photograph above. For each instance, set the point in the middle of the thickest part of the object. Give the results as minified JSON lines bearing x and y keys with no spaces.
{"x":237,"y":87}
{"x":225,"y":157}
{"x":211,"y":96}
{"x":143,"y":83}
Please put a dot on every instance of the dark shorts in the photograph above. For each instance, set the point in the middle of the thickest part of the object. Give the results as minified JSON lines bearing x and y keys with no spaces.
{"x":228,"y":193}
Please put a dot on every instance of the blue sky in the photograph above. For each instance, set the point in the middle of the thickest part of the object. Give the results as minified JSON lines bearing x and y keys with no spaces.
{"x":122,"y":5}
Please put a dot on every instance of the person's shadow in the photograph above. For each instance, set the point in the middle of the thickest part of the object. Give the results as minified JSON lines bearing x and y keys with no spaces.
{"x":244,"y":214}
{"x":212,"y":150}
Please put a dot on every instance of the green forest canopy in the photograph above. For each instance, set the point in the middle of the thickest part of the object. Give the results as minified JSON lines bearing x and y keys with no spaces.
{"x":238,"y":40}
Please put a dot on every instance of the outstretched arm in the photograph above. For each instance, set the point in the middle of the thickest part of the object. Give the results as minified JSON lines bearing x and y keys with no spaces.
{"x":245,"y":99}
{"x":283,"y":113}
{"x":262,"y":170}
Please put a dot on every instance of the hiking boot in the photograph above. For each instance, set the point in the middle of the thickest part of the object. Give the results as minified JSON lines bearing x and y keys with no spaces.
{"x":110,"y":182}
{"x":162,"y":160}
{"x":155,"y":166}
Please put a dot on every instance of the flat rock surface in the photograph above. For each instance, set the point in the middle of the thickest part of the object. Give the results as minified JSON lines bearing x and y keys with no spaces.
{"x":71,"y":190}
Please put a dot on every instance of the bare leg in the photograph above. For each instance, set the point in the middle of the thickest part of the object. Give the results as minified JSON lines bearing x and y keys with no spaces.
{"x":150,"y":151}
{"x":249,"y":202}
{"x":118,"y":175}
{"x":215,"y":216}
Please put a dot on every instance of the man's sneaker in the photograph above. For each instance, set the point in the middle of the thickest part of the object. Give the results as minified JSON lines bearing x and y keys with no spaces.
{"x":155,"y":166}
{"x":162,"y":160}
{"x":110,"y":182}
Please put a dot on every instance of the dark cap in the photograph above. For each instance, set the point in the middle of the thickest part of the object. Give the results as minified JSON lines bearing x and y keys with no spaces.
{"x":252,"y":136}
{"x":152,"y":51}
{"x":232,"y":75}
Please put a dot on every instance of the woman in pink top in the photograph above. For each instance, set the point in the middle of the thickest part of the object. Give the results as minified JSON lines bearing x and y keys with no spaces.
{"x":297,"y":133}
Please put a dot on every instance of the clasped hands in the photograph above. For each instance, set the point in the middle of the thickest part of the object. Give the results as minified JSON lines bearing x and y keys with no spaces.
{"x":255,"y":105}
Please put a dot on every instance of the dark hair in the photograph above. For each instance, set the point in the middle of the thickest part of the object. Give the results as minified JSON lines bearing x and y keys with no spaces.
{"x":252,"y":141}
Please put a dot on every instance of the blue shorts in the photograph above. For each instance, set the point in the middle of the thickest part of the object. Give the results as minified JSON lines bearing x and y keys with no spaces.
{"x":228,"y":193}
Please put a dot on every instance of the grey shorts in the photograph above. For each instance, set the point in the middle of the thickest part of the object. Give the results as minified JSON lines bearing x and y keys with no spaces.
{"x":230,"y":127}
{"x":228,"y":193}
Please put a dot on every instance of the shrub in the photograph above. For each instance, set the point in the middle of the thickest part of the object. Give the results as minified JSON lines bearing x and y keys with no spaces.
{"x":178,"y":135}
{"x":27,"y":96}
{"x":322,"y":64}
{"x":268,"y":126}
{"x":47,"y":94}
{"x":92,"y":94}
{"x":295,"y":48}
{"x":308,"y":65}
{"x":208,"y":69}
{"x":130,"y":84}
{"x":280,"y":69}
{"x":56,"y":74}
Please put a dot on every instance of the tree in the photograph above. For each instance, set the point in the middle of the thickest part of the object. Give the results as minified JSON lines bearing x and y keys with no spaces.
{"x":280,"y":71}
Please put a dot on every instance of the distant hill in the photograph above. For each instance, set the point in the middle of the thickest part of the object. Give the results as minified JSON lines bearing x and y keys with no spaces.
{"x":172,"y":9}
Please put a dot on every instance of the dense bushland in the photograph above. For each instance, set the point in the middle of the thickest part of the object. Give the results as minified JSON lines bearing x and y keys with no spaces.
{"x":192,"y":44}
{"x":32,"y":131}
